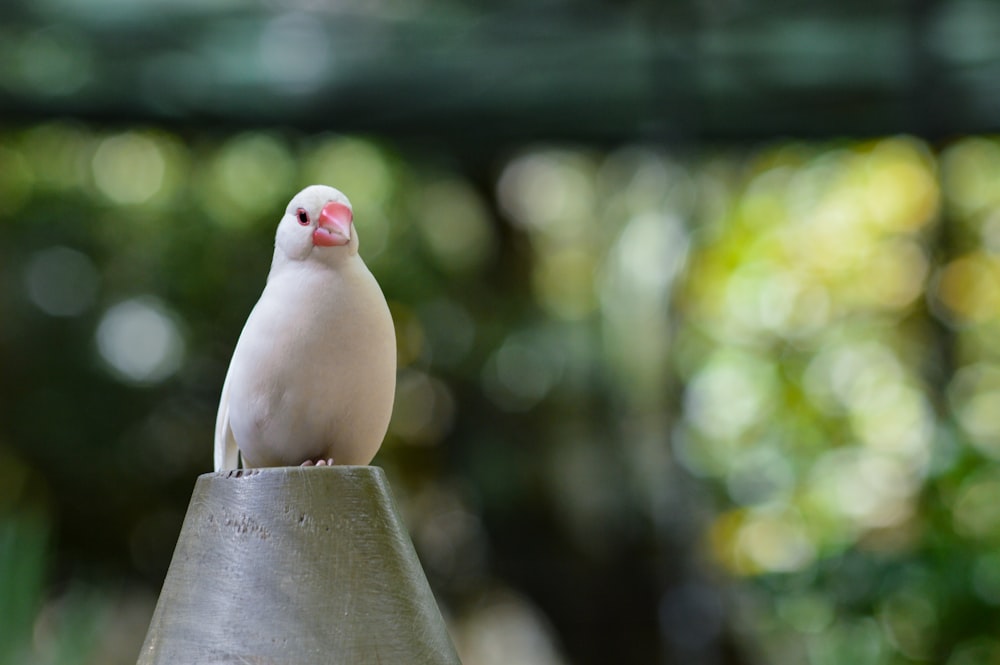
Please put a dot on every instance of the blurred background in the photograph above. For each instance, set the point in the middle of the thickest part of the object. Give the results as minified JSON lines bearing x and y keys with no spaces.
{"x":698,"y":310}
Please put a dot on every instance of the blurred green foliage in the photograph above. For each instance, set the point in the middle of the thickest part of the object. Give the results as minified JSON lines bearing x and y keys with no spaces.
{"x":33,"y":632}
{"x":730,"y":407}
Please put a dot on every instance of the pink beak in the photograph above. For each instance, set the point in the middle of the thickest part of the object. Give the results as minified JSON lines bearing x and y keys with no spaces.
{"x":334,"y":226}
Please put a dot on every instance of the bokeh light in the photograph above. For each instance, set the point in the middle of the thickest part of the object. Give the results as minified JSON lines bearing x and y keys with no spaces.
{"x":128,"y":168}
{"x":450,"y":331}
{"x":455,"y":226}
{"x":17,"y":181}
{"x":523,"y":370}
{"x":58,"y":155}
{"x":61,"y":281}
{"x":247,"y":179}
{"x":549,"y":192}
{"x":969,"y":287}
{"x":974,"y":393}
{"x":140,"y":340}
{"x":506,"y":628}
{"x":425,"y":409}
{"x":297,"y":70}
{"x":50,"y":62}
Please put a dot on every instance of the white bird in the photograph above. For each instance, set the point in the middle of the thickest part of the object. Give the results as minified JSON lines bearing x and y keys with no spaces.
{"x":313,"y":375}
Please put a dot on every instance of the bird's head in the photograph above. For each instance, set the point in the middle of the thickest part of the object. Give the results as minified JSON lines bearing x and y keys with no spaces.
{"x":318,"y":222}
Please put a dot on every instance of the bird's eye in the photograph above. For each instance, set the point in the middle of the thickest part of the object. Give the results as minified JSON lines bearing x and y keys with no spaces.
{"x":303,"y":216}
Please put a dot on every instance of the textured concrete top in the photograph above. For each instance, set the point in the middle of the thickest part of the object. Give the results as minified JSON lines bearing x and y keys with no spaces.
{"x":295,"y":565}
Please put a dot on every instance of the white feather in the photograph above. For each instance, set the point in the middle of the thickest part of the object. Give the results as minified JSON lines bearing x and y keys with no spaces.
{"x":226,"y":452}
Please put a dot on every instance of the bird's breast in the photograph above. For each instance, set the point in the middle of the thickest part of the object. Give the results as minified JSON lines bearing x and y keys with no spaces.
{"x":314,"y":369}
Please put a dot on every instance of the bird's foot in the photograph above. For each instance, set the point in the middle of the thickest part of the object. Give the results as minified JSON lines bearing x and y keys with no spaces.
{"x":320,"y":462}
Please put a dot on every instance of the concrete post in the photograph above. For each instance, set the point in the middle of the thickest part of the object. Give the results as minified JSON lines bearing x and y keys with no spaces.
{"x":299,"y":566}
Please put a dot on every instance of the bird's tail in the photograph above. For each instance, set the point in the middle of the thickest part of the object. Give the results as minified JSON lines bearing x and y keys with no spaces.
{"x":227,"y":454}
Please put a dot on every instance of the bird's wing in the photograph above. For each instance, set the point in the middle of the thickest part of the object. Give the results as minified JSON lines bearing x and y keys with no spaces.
{"x":226,"y":451}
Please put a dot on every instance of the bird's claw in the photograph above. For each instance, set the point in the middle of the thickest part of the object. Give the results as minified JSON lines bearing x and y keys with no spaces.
{"x":319,"y":462}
